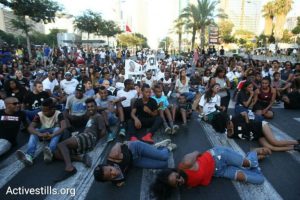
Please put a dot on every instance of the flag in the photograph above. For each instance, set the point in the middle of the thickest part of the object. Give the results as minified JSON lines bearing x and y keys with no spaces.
{"x":127,"y":28}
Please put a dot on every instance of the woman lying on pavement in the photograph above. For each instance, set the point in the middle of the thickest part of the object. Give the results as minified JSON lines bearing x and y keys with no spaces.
{"x":241,"y":127}
{"x":197,"y":169}
{"x":136,"y":153}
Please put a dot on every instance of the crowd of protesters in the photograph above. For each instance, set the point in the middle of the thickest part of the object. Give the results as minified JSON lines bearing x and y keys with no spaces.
{"x":73,"y":97}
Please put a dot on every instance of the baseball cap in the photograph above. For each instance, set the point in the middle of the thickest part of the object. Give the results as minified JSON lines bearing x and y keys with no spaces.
{"x":80,"y":88}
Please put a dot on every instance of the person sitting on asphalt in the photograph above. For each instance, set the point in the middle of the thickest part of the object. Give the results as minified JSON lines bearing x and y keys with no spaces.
{"x":75,"y":113}
{"x":240,"y":126}
{"x":50,"y":82}
{"x":110,"y":106}
{"x":264,"y":99}
{"x":183,"y":109}
{"x":11,"y":119}
{"x":197,"y":169}
{"x":210,"y":103}
{"x":34,"y":100}
{"x":76,"y":147}
{"x":282,"y":87}
{"x":48,"y":124}
{"x":164,"y":111}
{"x":144,"y":114}
{"x":133,"y":153}
{"x":68,"y":84}
{"x":89,"y":90}
{"x":292,"y":99}
{"x":168,"y":84}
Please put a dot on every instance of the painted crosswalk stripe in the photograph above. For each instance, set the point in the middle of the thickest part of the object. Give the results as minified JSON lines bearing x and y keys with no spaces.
{"x":83,"y":179}
{"x":281,"y":135}
{"x":246,"y":191}
{"x":297,"y":119}
{"x":11,"y":166}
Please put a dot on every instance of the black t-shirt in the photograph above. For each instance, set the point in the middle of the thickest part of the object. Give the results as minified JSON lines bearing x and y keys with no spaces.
{"x":19,"y":95}
{"x":34,"y":101}
{"x":294,"y":101}
{"x":24,"y":82}
{"x":124,"y":165}
{"x":10,"y":125}
{"x":139,"y":105}
{"x":242,"y":97}
{"x":248,"y":131}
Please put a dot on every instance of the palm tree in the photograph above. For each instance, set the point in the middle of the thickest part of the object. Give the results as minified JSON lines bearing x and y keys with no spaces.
{"x":178,"y":28}
{"x":201,"y":16}
{"x":268,"y":14}
{"x":282,"y":8}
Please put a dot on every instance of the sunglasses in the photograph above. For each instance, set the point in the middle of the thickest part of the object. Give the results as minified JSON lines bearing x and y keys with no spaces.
{"x":15,"y":103}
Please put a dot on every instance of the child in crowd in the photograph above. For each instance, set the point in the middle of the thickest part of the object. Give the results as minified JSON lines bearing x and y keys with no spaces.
{"x":164,"y":110}
{"x":182,"y":110}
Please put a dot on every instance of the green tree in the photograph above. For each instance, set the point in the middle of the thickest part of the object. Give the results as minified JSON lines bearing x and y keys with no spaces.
{"x":88,"y":22}
{"x":268,"y":14}
{"x":225,"y":30}
{"x":109,"y":29}
{"x":144,"y":43}
{"x":36,"y":10}
{"x":296,"y":30}
{"x":287,"y":37}
{"x":178,"y":29}
{"x":129,"y":40}
{"x":166,"y":43}
{"x":282,"y":8}
{"x":201,"y":16}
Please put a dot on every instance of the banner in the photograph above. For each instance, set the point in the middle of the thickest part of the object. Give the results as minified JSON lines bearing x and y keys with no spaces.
{"x":213,"y":35}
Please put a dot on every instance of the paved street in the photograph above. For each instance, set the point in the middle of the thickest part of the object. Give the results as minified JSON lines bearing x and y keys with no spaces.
{"x":280,"y":169}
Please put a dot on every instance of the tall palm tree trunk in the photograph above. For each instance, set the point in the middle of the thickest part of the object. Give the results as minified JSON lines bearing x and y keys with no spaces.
{"x":268,"y":26}
{"x":193,"y":37}
{"x":179,"y":41}
{"x":279,"y":25}
{"x":202,"y":36}
{"x":28,"y":45}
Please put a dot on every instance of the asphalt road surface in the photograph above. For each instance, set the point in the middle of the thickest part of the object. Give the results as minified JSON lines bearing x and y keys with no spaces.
{"x":281,"y":170}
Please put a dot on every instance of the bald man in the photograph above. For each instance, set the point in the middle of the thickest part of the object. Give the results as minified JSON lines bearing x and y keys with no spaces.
{"x":10,"y":121}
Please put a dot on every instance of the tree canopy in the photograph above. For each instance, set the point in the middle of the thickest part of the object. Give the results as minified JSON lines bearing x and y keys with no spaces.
{"x":88,"y":22}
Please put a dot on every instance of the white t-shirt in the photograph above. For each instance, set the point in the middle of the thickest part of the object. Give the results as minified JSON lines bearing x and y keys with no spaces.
{"x":2,"y":105}
{"x":147,"y":81}
{"x":102,"y":54}
{"x":69,"y":86}
{"x":129,"y":95}
{"x":48,"y":85}
{"x":209,"y":107}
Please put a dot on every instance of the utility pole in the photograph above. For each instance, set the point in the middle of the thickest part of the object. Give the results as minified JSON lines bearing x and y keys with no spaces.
{"x":242,"y":15}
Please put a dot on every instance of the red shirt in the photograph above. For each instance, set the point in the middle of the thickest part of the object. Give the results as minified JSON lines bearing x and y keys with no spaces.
{"x":205,"y":172}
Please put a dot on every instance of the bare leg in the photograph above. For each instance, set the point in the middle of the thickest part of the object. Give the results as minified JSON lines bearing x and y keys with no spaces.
{"x":174,"y":112}
{"x":265,"y":143}
{"x":269,"y":115}
{"x":273,"y":141}
{"x":183,"y":115}
{"x":64,"y":148}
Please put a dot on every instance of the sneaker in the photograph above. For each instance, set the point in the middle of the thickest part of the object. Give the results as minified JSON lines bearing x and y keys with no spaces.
{"x":252,"y":157}
{"x":297,"y":147}
{"x":87,"y":160}
{"x":24,"y":158}
{"x":122,"y":132}
{"x":175,"y":129}
{"x":172,"y":147}
{"x":47,"y":155}
{"x":110,"y":137}
{"x":133,"y":138}
{"x":148,"y":138}
{"x":168,"y":130}
{"x":163,"y":143}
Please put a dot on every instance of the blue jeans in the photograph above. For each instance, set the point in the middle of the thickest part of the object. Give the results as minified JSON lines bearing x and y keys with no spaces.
{"x":189,"y":96}
{"x":239,"y":109}
{"x":33,"y":140}
{"x":147,"y":156}
{"x":228,"y":163}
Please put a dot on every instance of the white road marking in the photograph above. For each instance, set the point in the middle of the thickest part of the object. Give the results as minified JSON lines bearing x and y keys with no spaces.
{"x":11,"y":166}
{"x":246,"y":191}
{"x":297,"y":119}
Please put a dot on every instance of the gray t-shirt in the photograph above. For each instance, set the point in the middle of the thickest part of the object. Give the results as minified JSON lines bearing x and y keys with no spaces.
{"x":76,"y":106}
{"x":94,"y":125}
{"x":105,"y":103}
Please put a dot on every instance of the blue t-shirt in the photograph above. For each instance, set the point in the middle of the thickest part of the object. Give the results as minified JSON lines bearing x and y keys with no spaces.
{"x":163,"y":99}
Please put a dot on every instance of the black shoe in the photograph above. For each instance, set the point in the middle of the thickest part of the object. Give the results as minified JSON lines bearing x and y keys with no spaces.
{"x":297,"y":147}
{"x":65,"y":174}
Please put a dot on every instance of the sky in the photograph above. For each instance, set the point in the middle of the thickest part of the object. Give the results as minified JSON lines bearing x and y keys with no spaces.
{"x":159,"y":21}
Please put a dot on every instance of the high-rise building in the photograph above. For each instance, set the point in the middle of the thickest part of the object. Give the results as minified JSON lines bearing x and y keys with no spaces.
{"x":6,"y":25}
{"x":244,"y":14}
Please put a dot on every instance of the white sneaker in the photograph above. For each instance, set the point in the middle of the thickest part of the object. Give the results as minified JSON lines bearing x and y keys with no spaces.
{"x":163,"y":143}
{"x":24,"y":158}
{"x":175,"y":129}
{"x":48,"y":155}
{"x":172,"y":146}
{"x":168,"y":130}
